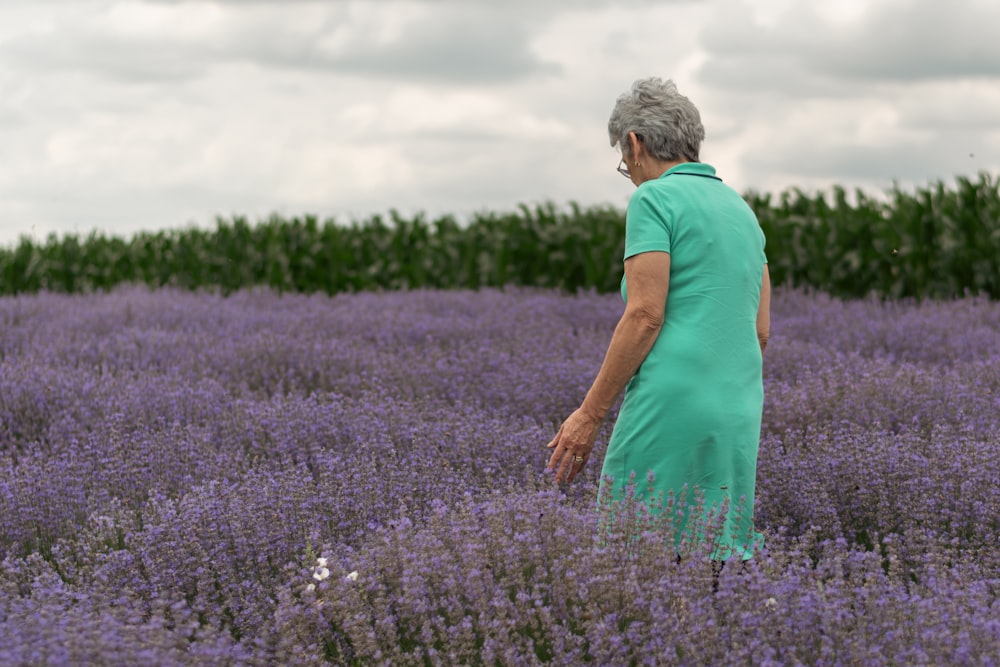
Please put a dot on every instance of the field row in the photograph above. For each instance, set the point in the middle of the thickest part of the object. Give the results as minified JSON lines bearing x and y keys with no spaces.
{"x":940,"y":241}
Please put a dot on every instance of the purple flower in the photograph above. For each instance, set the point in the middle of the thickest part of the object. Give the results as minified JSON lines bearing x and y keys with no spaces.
{"x":165,"y":455}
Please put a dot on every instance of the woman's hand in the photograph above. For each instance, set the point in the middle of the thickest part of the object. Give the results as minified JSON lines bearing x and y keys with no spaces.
{"x":572,"y":445}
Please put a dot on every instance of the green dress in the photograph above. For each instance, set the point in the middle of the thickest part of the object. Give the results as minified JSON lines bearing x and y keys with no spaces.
{"x":690,"y":418}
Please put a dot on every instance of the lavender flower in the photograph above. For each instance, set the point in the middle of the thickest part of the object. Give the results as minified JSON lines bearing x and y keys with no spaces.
{"x":165,"y":455}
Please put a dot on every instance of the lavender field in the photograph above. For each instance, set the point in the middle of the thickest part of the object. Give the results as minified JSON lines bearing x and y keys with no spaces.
{"x":187,"y":479}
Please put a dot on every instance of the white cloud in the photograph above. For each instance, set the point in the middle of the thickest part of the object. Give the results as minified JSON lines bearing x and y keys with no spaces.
{"x":890,"y":41}
{"x":125,"y":115}
{"x":894,"y":91}
{"x":143,"y":42}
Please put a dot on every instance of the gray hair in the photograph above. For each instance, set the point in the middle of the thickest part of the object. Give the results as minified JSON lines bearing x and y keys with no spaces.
{"x":668,"y":122}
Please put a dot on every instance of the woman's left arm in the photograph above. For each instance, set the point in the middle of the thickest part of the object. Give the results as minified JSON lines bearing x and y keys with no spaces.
{"x":647,"y":280}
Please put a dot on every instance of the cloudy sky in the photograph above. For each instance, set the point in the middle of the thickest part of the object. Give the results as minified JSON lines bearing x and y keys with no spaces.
{"x":142,"y":114}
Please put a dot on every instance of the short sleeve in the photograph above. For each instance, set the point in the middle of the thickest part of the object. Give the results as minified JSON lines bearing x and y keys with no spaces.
{"x":647,"y":224}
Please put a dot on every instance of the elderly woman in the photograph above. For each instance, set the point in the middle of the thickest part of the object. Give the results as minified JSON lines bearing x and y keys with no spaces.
{"x":689,"y":363}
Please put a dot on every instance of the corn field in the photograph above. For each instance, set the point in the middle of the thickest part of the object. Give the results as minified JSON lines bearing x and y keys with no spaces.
{"x":941,"y":241}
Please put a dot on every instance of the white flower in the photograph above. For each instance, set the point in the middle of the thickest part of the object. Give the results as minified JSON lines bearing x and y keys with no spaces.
{"x":353,"y":576}
{"x":321,"y":562}
{"x":311,"y":587}
{"x":321,"y":573}
{"x":770,"y":602}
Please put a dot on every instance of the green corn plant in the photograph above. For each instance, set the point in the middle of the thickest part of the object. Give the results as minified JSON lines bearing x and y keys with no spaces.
{"x":935,"y":242}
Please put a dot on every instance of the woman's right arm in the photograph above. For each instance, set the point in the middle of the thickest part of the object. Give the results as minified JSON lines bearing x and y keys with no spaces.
{"x":764,"y":311}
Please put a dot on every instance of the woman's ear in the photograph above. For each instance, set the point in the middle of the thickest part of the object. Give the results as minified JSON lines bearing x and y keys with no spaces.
{"x":634,"y":145}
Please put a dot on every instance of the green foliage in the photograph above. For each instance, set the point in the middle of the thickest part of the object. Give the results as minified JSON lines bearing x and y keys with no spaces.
{"x":936,"y":242}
